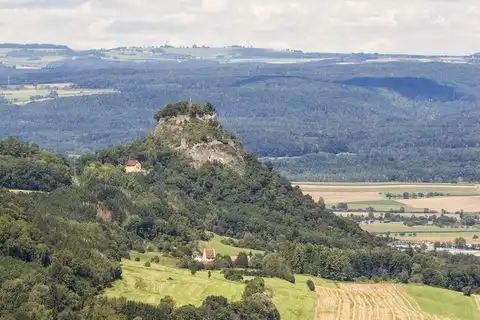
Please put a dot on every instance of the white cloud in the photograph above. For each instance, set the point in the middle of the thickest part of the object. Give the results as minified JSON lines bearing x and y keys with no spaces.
{"x":414,"y":26}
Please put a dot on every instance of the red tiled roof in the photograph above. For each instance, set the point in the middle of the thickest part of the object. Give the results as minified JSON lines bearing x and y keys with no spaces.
{"x":209,"y":253}
{"x":132,"y":163}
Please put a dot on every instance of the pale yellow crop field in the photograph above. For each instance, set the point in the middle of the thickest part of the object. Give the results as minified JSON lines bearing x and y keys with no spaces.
{"x":450,"y":204}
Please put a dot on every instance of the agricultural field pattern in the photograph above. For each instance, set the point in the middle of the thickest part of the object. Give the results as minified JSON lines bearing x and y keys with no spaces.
{"x":330,"y":301}
{"x":362,"y":302}
{"x":455,"y":197}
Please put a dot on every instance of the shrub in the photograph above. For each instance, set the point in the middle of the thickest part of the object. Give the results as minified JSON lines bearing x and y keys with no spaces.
{"x":137,"y":259}
{"x":156,"y":259}
{"x":256,"y":285}
{"x":242,"y":260}
{"x":467,"y":291}
{"x":232,"y":275}
{"x":147,"y":264}
{"x":289,"y":277}
{"x":310,"y":285}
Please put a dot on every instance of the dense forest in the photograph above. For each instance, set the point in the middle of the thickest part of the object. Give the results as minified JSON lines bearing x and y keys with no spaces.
{"x":362,"y":122}
{"x":27,"y":167}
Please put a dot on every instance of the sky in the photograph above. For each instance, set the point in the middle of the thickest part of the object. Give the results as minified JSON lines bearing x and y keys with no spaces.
{"x":383,"y":26}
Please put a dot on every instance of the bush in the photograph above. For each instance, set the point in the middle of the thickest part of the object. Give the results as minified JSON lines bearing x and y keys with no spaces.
{"x":137,"y":259}
{"x":289,"y":277}
{"x":232,"y":275}
{"x":242,"y":260}
{"x":256,"y":285}
{"x":147,"y":264}
{"x":310,"y":285}
{"x":467,"y":291}
{"x":156,"y":259}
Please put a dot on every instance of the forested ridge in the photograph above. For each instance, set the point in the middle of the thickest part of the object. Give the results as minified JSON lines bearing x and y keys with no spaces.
{"x":318,"y":122}
{"x":25,"y":166}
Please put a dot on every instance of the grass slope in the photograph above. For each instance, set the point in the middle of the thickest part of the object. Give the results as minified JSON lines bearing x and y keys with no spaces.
{"x":149,"y":285}
{"x":224,"y":249}
{"x":294,"y":301}
{"x":442,"y":302}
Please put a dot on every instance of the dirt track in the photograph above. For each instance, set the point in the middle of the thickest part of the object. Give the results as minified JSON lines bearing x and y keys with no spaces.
{"x":368,"y":302}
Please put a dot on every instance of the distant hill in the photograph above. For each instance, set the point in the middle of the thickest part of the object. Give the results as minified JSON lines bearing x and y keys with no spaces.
{"x":33,"y":46}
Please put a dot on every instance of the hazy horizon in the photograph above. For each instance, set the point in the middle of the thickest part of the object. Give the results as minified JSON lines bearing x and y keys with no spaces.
{"x":425,"y":27}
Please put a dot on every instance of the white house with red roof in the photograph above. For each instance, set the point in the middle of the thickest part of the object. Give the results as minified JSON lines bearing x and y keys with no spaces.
{"x":133,"y":166}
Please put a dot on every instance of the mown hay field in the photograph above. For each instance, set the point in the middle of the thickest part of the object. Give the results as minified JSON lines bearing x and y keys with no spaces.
{"x":393,"y":302}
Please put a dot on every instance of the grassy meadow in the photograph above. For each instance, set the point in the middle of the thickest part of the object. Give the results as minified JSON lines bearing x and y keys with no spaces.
{"x":294,"y":301}
{"x":151,"y":284}
{"x":224,"y":249}
{"x":445,"y":303}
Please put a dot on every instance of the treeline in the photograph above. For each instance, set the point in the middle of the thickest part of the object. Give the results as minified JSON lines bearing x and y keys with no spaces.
{"x":442,"y":220}
{"x":25,"y":166}
{"x":455,"y":272}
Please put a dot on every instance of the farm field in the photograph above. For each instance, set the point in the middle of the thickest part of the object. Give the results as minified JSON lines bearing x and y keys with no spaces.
{"x":380,"y":227}
{"x":423,"y":233}
{"x":445,"y":303}
{"x":442,"y":237}
{"x":332,"y":300}
{"x":23,"y":95}
{"x":392,"y":301}
{"x":450,"y":204}
{"x":354,"y":192}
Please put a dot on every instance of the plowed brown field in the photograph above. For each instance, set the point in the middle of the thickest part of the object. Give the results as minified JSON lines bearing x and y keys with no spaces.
{"x":368,"y":302}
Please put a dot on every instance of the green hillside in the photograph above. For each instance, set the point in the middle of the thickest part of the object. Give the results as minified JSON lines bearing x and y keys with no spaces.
{"x":61,"y":249}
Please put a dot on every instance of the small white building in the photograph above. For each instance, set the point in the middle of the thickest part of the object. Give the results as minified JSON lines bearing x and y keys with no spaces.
{"x":133,"y":166}
{"x":209,"y":255}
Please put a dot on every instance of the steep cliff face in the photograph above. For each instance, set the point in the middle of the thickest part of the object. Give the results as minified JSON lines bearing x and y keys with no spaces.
{"x":198,"y":135}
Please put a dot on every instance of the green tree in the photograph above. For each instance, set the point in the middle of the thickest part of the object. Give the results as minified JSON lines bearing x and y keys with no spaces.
{"x":242,"y":260}
{"x":256,"y":285}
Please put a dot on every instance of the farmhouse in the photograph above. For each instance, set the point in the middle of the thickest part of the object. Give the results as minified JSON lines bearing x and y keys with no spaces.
{"x":209,"y":255}
{"x":133,"y":166}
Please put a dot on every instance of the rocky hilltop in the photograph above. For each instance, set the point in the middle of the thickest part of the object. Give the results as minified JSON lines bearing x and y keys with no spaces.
{"x":194,"y":131}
